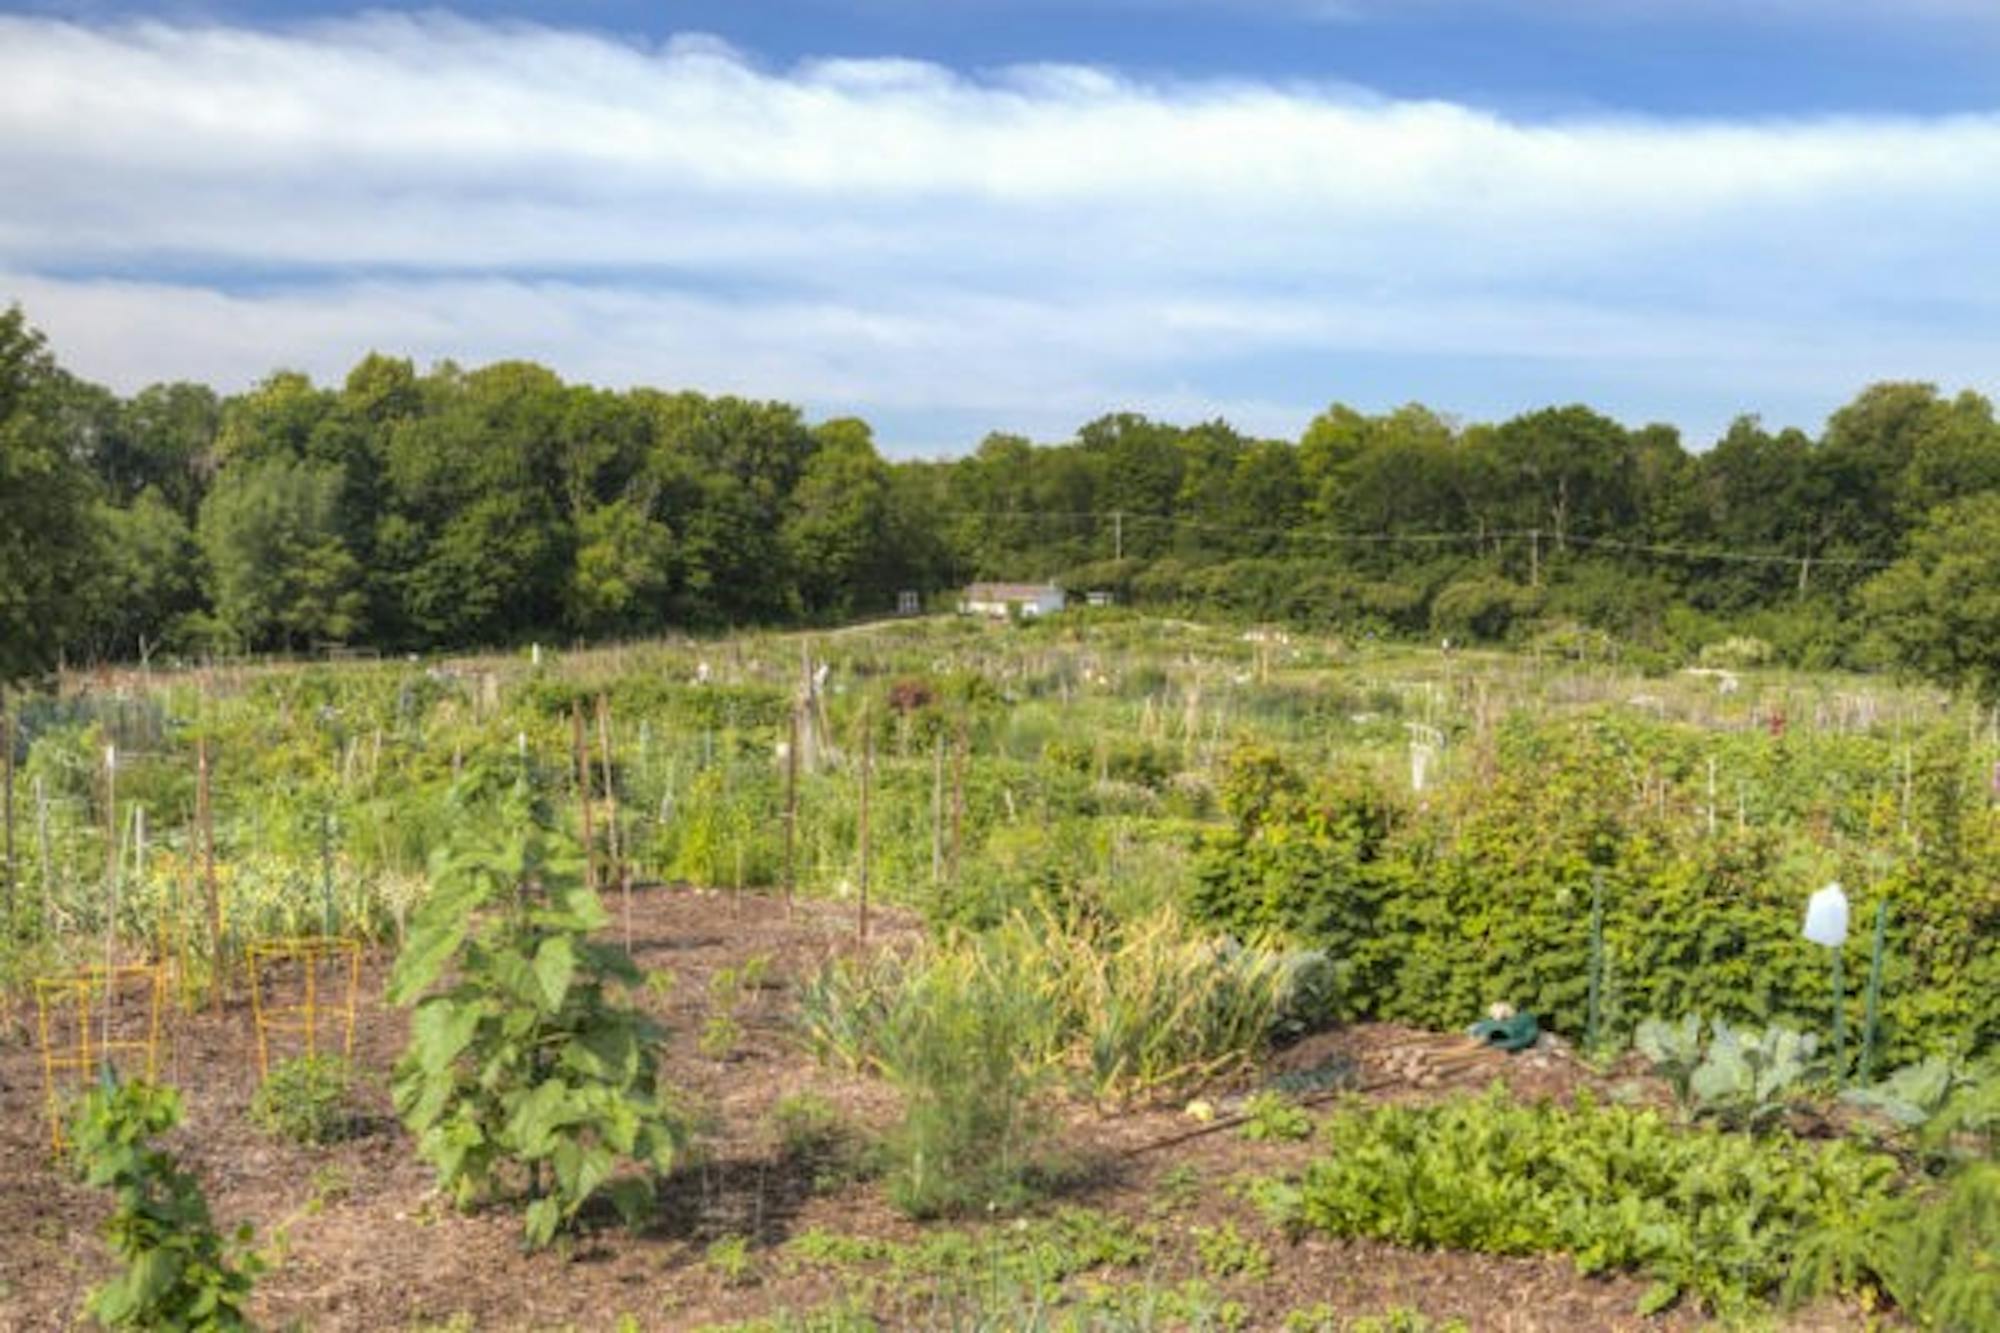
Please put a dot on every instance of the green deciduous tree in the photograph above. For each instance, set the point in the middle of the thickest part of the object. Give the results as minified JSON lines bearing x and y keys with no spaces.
{"x":49,"y":537}
{"x":280,"y":574}
{"x":1939,"y":606}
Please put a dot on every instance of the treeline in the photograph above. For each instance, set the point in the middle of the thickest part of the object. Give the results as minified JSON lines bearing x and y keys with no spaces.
{"x":457,"y":508}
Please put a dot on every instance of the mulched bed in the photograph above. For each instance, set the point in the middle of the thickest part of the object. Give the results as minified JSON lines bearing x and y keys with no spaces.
{"x":368,"y":1245}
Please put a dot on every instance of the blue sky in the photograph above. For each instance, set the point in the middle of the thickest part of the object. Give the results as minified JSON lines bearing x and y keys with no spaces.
{"x":951,"y":216}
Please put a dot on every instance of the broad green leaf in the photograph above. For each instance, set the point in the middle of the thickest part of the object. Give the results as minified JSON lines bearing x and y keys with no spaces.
{"x":632,"y":1196}
{"x":541,"y":1113}
{"x":555,"y":963}
{"x":540,"y":1222}
{"x":440,"y":1029}
{"x":423,"y":958}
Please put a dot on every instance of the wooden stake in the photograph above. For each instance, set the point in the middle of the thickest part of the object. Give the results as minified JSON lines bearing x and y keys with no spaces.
{"x":46,"y":855}
{"x":792,"y":812}
{"x":959,"y":761}
{"x":867,"y":767}
{"x":617,"y":871}
{"x":937,"y":812}
{"x":110,"y":877}
{"x":7,"y":769}
{"x":205,"y":816}
{"x":583,"y":795}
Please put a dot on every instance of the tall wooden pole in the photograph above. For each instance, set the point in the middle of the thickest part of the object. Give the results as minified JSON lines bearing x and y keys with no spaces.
{"x":205,"y":816}
{"x":867,"y":767}
{"x":937,"y":811}
{"x":110,"y":878}
{"x":611,"y":833}
{"x":7,"y":780}
{"x":792,"y":813}
{"x":583,"y":794}
{"x":617,"y":870}
{"x":46,"y":855}
{"x":959,"y":762}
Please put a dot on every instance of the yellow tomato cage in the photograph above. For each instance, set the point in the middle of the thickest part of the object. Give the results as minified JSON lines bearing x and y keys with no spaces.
{"x":324,"y":962}
{"x":67,"y":1006}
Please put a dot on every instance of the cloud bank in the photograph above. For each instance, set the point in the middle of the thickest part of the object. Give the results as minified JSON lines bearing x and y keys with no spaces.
{"x":945,"y":252}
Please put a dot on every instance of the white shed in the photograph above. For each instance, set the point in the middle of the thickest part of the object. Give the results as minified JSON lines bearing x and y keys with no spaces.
{"x":1001,"y":600}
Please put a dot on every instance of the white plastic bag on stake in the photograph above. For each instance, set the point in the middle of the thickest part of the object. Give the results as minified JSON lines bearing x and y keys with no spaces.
{"x":1826,"y":917}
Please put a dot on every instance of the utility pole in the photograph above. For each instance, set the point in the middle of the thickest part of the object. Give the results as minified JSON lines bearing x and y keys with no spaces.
{"x":1534,"y":557}
{"x":1118,"y":534}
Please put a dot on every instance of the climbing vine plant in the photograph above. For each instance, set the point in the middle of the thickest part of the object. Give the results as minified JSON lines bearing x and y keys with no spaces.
{"x":525,"y":1073}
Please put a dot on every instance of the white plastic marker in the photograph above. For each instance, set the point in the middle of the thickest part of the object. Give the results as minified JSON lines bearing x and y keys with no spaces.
{"x":1826,"y":924}
{"x":1826,"y":917}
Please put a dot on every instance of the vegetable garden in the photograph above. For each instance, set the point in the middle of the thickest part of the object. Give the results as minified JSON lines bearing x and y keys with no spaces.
{"x":1097,"y":973}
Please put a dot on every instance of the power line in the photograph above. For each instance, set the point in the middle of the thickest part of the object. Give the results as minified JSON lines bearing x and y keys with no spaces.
{"x":1691,"y":554}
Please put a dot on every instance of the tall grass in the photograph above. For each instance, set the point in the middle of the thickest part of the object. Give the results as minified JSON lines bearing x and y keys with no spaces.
{"x":1122,"y":1011}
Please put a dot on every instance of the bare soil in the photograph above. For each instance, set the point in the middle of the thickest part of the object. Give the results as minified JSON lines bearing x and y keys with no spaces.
{"x":365,"y":1243}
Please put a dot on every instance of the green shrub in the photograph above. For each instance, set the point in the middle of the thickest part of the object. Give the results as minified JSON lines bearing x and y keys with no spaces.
{"x":178,"y":1272}
{"x":305,"y":1100}
{"x":1432,"y":912}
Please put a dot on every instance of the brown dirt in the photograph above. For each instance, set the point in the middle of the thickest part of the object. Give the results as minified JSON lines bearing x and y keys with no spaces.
{"x":368,"y":1245}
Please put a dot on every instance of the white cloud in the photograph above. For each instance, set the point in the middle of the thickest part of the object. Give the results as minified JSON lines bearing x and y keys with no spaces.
{"x":890,"y":236}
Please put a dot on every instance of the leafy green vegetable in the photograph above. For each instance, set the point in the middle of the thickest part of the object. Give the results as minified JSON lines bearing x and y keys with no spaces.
{"x":1711,"y":1216}
{"x":523,"y":1058}
{"x":178,"y":1271}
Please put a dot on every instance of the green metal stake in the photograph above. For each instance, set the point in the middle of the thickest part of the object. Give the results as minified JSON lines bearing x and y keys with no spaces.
{"x":1874,"y":1010}
{"x":326,"y":868}
{"x":1596,"y":959}
{"x":1839,"y":1021}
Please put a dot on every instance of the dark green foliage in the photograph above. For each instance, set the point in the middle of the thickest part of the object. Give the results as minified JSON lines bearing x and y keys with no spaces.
{"x":469,"y":507}
{"x":525,"y":1060}
{"x":48,"y":543}
{"x":306,"y":1100}
{"x":1939,"y":607}
{"x":1713,"y":1217}
{"x":1942,"y":1264}
{"x":178,"y":1271}
{"x":1433,"y":913}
